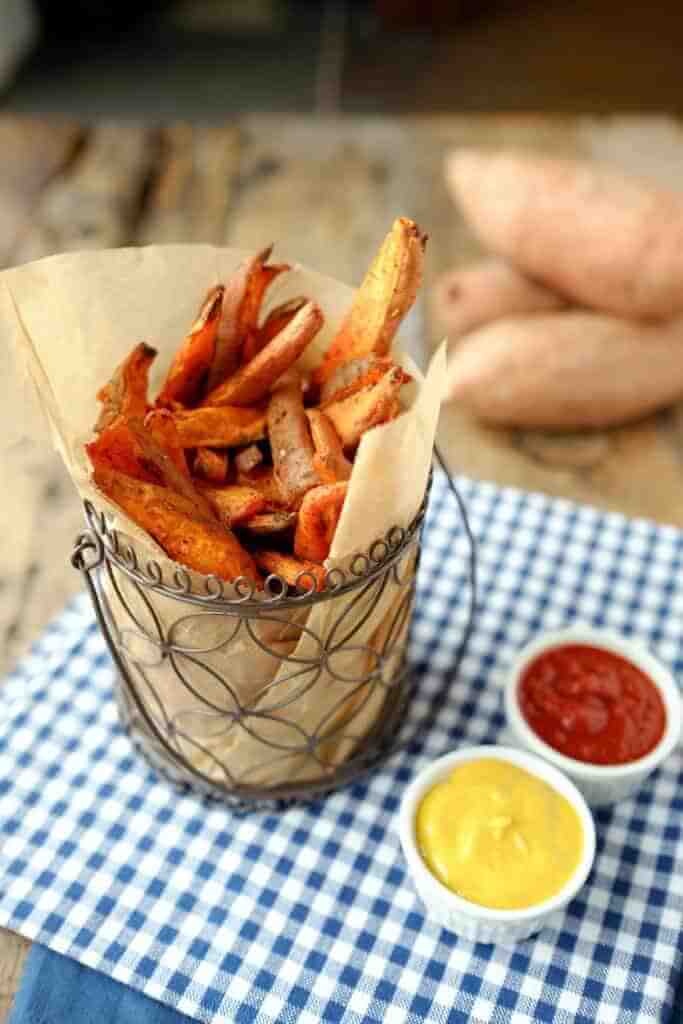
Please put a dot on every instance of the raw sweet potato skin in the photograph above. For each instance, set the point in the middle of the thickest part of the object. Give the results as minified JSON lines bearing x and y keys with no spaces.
{"x":603,"y":240}
{"x":470,"y":296}
{"x":567,"y":370}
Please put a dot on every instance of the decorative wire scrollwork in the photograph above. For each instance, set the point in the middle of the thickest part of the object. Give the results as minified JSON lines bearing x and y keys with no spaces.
{"x":260,"y":698}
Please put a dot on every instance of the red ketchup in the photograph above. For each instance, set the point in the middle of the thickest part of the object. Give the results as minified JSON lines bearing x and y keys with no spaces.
{"x":592,"y":705}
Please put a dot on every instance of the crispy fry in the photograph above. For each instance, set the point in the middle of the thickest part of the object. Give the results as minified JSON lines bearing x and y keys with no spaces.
{"x":318,"y":517}
{"x":270,"y":522}
{"x":329,"y":460}
{"x":222,"y":427}
{"x":126,"y":393}
{"x":116,"y":448}
{"x":187,"y":374}
{"x":385,"y":296}
{"x":290,"y":441}
{"x":161,"y":425}
{"x":248,"y":459}
{"x":211,"y":465}
{"x":254,"y":380}
{"x":290,"y":569}
{"x":348,"y":377}
{"x":366,"y":408}
{"x":201,"y":544}
{"x":241,"y":304}
{"x":275,"y":322}
{"x":234,"y":503}
{"x":263,"y":480}
{"x":160,"y":462}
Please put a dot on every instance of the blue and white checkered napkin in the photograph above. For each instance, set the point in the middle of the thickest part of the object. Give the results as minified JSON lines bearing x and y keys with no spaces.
{"x":309,"y":916}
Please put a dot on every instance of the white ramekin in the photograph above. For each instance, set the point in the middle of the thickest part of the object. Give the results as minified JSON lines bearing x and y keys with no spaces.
{"x":472,"y":921}
{"x":600,"y":784}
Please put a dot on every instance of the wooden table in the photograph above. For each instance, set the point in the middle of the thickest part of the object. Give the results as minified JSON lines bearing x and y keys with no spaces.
{"x":330,"y":188}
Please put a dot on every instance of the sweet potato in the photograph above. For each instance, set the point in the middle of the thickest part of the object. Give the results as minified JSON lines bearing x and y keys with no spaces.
{"x":234,"y":503}
{"x":290,"y":441}
{"x":365,"y":408}
{"x":485,"y":291}
{"x":211,"y":465}
{"x":190,"y":366}
{"x":596,"y":237}
{"x":201,"y":544}
{"x":126,"y":393}
{"x":241,"y":304}
{"x":161,"y":425}
{"x":222,"y":427}
{"x":385,"y":296}
{"x":567,"y":370}
{"x":318,"y":517}
{"x":329,"y":460}
{"x":275,"y":322}
{"x":265,"y":523}
{"x":117,"y":449}
{"x":248,"y":459}
{"x":253,"y":381}
{"x":290,"y":569}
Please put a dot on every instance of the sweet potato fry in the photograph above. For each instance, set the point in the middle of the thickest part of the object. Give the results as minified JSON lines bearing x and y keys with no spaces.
{"x":290,"y":441}
{"x":161,"y":425}
{"x":366,"y":408}
{"x":234,"y":504}
{"x":329,"y":460}
{"x":187,"y":374}
{"x":348,"y":377}
{"x":263,"y":480}
{"x":254,"y":380}
{"x":248,"y":459}
{"x":223,"y":427}
{"x":211,"y":465}
{"x":116,"y":448}
{"x":241,"y":305}
{"x":275,"y":322}
{"x":385,"y":296}
{"x":290,"y":569}
{"x":201,"y":544}
{"x":318,"y":517}
{"x":270,"y":522}
{"x":126,"y":393}
{"x":161,"y":464}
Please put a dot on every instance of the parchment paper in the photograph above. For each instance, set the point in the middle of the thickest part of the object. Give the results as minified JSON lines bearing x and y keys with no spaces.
{"x":70,"y":320}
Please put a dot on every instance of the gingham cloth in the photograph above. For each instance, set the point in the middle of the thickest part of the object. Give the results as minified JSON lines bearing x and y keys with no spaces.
{"x":309,"y":916}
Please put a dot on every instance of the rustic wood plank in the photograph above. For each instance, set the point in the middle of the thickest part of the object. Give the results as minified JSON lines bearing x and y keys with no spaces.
{"x":13,"y":952}
{"x":195,"y":185}
{"x":34,"y":150}
{"x":97,"y":204}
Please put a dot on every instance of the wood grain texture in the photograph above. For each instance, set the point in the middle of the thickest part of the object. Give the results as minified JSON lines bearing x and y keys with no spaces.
{"x":325,"y":191}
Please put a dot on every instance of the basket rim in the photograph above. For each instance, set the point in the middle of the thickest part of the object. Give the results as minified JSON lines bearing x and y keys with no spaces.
{"x":102,"y":543}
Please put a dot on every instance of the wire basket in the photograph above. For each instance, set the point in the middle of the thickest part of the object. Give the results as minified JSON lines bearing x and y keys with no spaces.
{"x":257,"y":698}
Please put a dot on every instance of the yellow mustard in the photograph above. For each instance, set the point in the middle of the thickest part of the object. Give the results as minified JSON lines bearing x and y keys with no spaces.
{"x":498,"y":836}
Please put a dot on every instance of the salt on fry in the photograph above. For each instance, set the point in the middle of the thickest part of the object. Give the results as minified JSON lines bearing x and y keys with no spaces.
{"x":253,"y":381}
{"x":290,"y":441}
{"x":290,"y":569}
{"x":388,"y":291}
{"x":126,"y":393}
{"x":211,"y":465}
{"x":188,"y":371}
{"x":201,"y":544}
{"x":329,"y":460}
{"x":318,"y":517}
{"x":223,"y":427}
{"x":365,"y":408}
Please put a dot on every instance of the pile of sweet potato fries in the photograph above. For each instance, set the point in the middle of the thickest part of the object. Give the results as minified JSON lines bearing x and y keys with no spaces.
{"x":240,"y":466}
